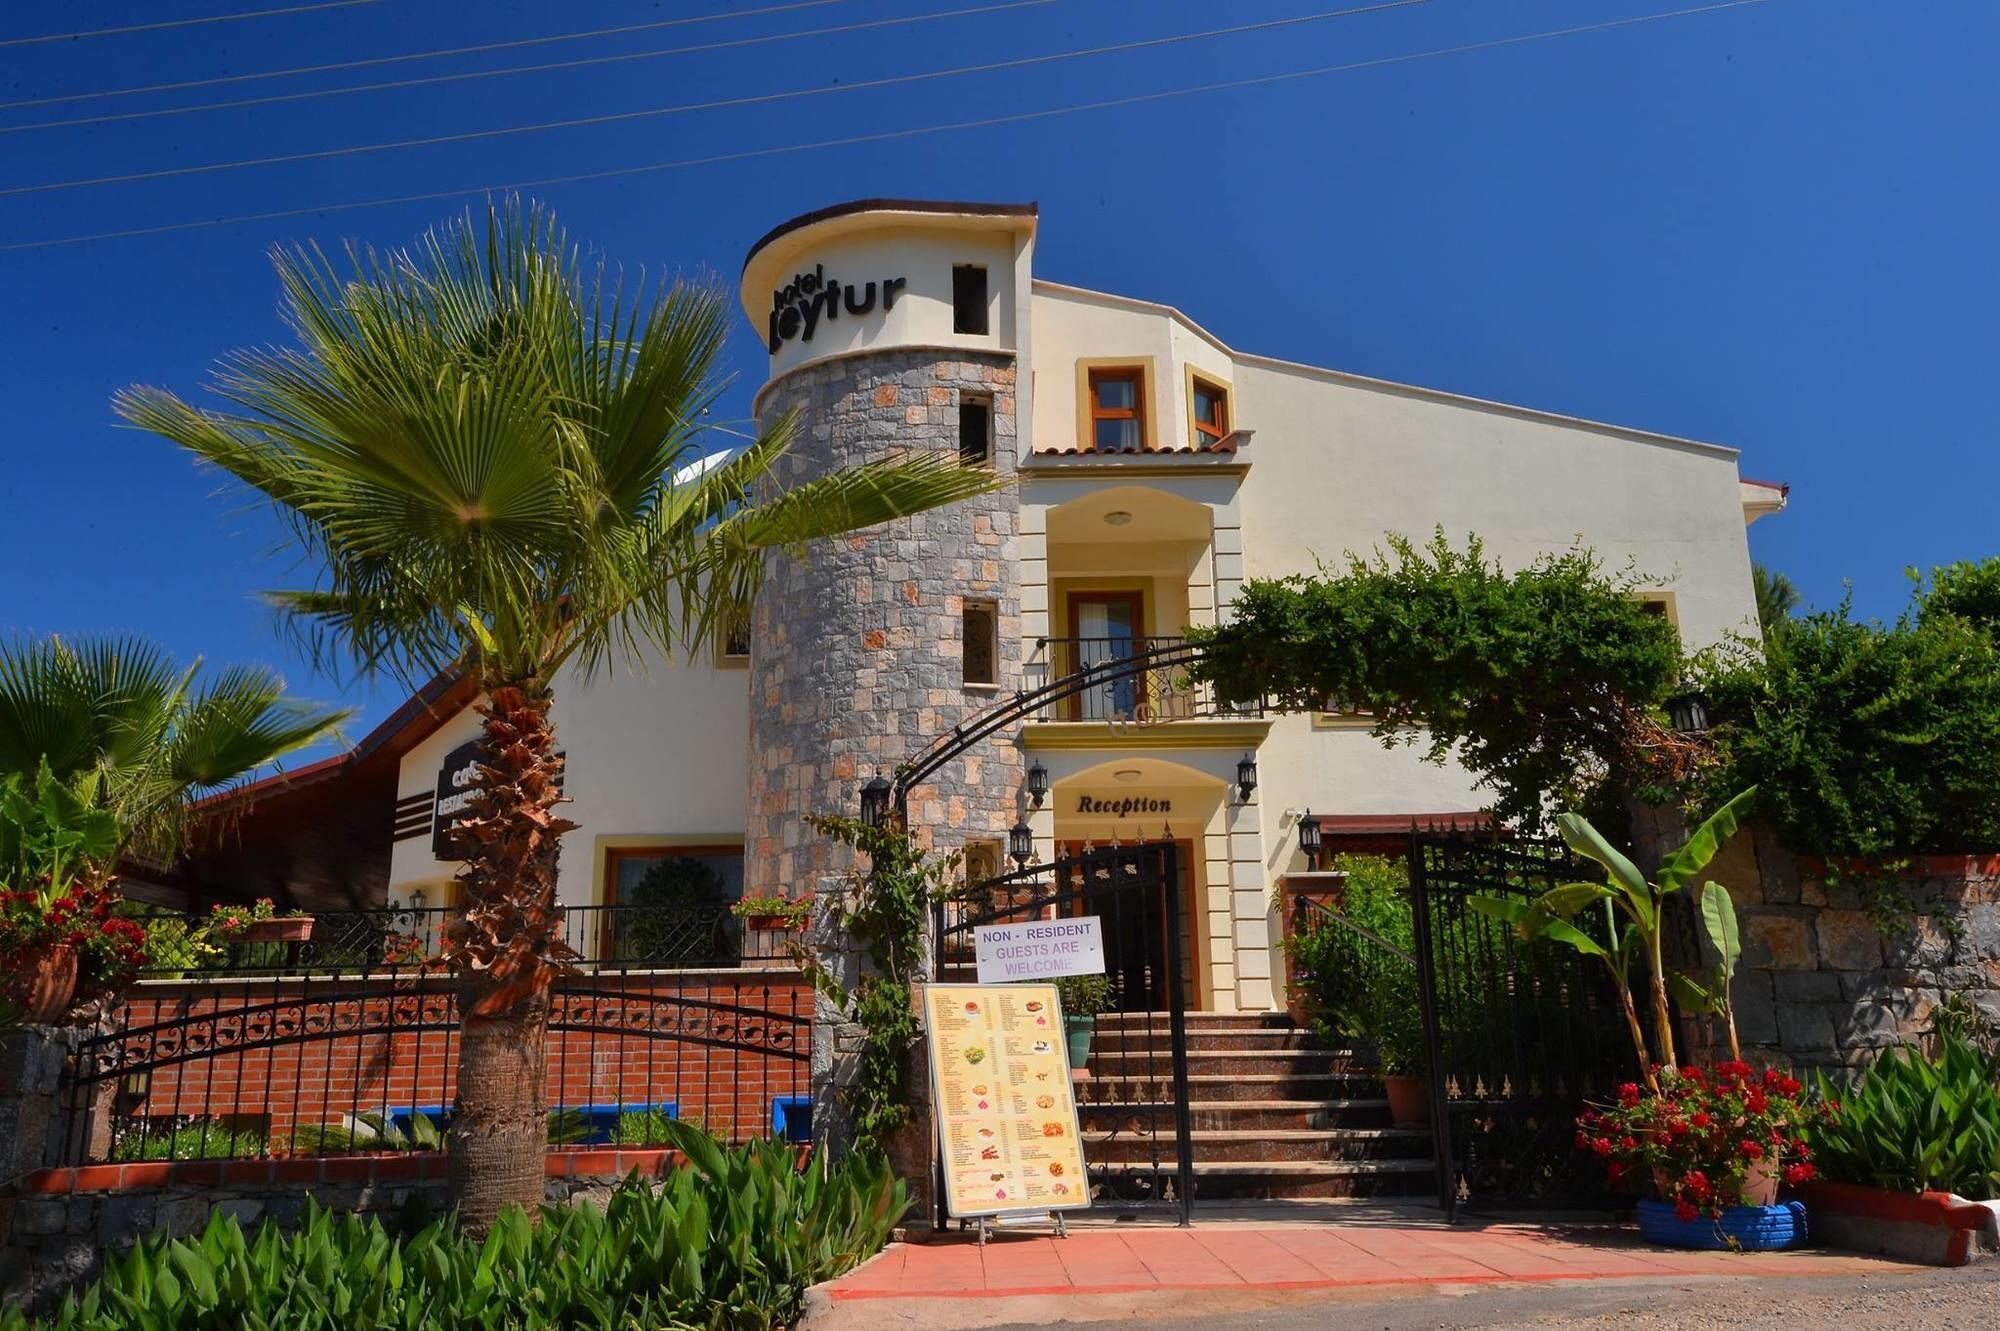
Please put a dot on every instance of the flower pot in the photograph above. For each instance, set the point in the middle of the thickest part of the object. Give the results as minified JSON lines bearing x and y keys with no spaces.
{"x":1409,"y":1100}
{"x":1739,"y":1228}
{"x":1760,"y":1183}
{"x":284,"y":929}
{"x":51,"y":984}
{"x":1077,"y":1030}
{"x":777,"y":924}
{"x":1935,"y":1228}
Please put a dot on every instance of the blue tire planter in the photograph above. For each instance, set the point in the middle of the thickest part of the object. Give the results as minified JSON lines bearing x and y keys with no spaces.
{"x":1754,"y":1228}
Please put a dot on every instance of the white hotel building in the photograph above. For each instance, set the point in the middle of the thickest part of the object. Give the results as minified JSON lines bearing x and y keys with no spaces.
{"x":1155,"y":468}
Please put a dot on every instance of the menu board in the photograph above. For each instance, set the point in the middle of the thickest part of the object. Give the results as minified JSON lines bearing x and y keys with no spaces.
{"x":1001,"y":1093}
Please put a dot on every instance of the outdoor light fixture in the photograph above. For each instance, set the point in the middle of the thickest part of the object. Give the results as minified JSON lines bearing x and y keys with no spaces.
{"x":1021,"y":843}
{"x":1246,"y":776}
{"x":1118,"y":517}
{"x":875,"y":802}
{"x":1309,"y":837}
{"x":1038,"y":783}
{"x":418,"y":901}
{"x":1689,"y":712}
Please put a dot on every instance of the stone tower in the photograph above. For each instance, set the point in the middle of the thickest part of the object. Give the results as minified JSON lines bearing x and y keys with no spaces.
{"x":892,"y":326}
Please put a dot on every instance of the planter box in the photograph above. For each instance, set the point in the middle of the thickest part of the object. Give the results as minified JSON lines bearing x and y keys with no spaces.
{"x":1935,"y":1228}
{"x":1745,"y":1228}
{"x":284,"y":929}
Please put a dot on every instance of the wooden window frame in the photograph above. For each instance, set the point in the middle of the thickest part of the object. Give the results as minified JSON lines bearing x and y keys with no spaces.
{"x":1132,"y":374}
{"x":1137,"y":598}
{"x":651,"y":850}
{"x":1205,"y":435}
{"x":990,"y":445}
{"x":992,"y":609}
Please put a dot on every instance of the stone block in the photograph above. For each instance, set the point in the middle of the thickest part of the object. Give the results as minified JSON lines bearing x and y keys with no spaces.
{"x":1848,"y":940}
{"x":1869,"y":1026}
{"x":1756,"y":1013}
{"x":42,"y":1216}
{"x":1806,"y":1028}
{"x":1777,"y":867}
{"x":1773,"y":941}
{"x":1982,"y":930}
{"x":1921,"y":946}
{"x":1807,"y":986}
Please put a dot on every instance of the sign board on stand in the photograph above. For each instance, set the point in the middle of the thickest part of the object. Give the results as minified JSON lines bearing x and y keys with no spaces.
{"x":1039,"y":949}
{"x":1001,"y":1095}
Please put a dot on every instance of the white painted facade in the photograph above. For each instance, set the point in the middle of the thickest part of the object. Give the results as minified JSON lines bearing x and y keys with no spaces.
{"x":1321,"y":462}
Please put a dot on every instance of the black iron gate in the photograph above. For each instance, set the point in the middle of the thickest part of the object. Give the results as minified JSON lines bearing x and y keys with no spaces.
{"x":1519,"y":1034}
{"x":1134,"y":1105}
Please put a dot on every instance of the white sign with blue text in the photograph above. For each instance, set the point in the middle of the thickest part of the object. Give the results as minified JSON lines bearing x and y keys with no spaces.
{"x":1039,"y":949}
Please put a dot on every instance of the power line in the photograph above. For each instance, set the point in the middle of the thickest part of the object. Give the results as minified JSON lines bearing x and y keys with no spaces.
{"x":988,"y":122}
{"x":182,"y":23}
{"x":726,"y":103}
{"x":375,"y":61}
{"x":620,"y":58}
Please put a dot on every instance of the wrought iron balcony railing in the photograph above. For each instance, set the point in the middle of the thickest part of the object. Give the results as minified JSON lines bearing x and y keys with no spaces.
{"x":1150,"y":695}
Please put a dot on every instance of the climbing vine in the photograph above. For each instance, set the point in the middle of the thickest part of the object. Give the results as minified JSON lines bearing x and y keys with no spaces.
{"x":886,"y":914}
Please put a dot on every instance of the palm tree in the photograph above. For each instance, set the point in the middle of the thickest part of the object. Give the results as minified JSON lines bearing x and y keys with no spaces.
{"x":1777,"y":598}
{"x":146,"y":737}
{"x":498,"y":461}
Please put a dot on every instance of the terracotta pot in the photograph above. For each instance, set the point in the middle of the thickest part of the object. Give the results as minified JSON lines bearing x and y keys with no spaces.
{"x":782,"y":924}
{"x":285,"y":929}
{"x":1760,"y":1183}
{"x":51,"y":985}
{"x":1409,"y":1100}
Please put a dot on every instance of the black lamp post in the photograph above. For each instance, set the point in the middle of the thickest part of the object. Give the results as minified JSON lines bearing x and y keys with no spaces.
{"x":1309,"y":841}
{"x":1038,"y":784}
{"x":875,"y":802}
{"x":1021,"y":843}
{"x":1246,"y":777}
{"x":1689,"y":712}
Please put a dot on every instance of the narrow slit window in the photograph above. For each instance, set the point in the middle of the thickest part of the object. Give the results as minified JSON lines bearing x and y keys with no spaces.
{"x":975,"y":430}
{"x":981,"y":645}
{"x":968,"y":299}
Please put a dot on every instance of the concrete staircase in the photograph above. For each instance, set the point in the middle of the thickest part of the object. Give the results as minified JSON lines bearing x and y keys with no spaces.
{"x":1273,"y":1117}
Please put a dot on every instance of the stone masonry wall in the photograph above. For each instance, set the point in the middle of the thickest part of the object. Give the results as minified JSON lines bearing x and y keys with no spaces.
{"x":1820,"y":986}
{"x":855,"y":659}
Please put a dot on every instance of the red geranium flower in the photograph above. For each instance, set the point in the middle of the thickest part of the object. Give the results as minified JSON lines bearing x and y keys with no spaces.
{"x":1752,"y":1150}
{"x":1799,"y":1173}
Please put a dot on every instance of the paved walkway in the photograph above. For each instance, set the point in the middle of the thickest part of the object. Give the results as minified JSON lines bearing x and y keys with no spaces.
{"x":1246,"y":1258}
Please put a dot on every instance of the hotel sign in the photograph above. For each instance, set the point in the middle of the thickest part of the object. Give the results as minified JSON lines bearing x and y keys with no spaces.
{"x":799,"y":305}
{"x":1123,"y":806}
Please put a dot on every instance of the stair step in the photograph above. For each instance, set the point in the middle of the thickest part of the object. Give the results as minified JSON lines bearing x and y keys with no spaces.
{"x":1271,"y":1180}
{"x":1205,"y":1135}
{"x":1214,"y":1146}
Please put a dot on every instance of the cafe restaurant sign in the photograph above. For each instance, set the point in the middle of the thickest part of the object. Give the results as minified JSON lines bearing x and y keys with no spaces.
{"x":456,"y":780}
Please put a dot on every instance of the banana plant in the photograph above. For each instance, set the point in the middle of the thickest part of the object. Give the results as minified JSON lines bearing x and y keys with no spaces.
{"x":1633,"y":910}
{"x":1718,"y":920}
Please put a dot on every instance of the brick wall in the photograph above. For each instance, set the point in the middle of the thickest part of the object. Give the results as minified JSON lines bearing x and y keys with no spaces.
{"x":277,"y":1054}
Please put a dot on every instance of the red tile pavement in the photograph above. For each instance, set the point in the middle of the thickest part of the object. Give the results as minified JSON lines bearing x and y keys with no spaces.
{"x":1125,"y":1261}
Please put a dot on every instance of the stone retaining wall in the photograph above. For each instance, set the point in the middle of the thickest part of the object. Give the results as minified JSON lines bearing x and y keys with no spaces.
{"x":59,"y":1222}
{"x":1820,"y":986}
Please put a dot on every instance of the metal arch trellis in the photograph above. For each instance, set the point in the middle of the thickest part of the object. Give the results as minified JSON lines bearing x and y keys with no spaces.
{"x":1026,"y":702}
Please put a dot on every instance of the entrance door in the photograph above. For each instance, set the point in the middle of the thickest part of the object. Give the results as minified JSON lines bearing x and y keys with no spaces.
{"x":1137,"y":936}
{"x":1106,"y":627}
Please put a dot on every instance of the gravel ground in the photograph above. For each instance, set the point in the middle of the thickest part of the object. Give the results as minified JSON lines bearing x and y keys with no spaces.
{"x":1964,"y":1300}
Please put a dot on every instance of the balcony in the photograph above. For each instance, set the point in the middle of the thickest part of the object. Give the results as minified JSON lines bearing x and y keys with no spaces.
{"x":1157,"y":695}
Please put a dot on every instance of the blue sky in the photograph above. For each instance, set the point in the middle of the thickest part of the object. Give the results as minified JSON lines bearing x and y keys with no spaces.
{"x":1770,"y":226}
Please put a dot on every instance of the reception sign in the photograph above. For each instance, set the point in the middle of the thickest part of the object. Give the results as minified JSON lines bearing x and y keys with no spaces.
{"x":1000,"y":1092}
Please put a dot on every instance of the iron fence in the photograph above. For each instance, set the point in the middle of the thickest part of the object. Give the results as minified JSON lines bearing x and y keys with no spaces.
{"x":1147,"y":694}
{"x":347,"y":1042}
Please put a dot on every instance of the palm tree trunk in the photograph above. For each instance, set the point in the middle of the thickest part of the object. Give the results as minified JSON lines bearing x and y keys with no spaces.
{"x":507,"y":950}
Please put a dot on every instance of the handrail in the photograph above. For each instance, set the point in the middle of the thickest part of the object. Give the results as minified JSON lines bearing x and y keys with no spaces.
{"x":1327,"y":914}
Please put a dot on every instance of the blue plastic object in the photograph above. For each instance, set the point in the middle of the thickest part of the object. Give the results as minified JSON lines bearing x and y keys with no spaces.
{"x":791,"y":1118}
{"x":1753,"y":1228}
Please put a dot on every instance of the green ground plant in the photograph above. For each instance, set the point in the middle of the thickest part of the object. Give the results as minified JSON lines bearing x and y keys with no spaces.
{"x":729,"y":1243}
{"x":1915,"y":1122}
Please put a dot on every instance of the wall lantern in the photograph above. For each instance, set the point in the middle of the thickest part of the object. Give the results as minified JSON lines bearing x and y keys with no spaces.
{"x":1689,"y":712}
{"x":418,"y":901}
{"x":1309,"y":837}
{"x":1021,"y":843}
{"x":1038,"y":784}
{"x":1246,"y":776}
{"x":875,"y":802}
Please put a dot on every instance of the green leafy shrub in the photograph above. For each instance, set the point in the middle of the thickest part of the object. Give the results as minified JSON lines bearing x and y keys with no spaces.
{"x":1915,"y":1123}
{"x":729,"y":1243}
{"x":1364,"y":985}
{"x":1532,"y":679}
{"x":1084,"y":995}
{"x":197,"y":1139}
{"x":1869,"y":741}
{"x":371,"y":1132}
{"x":641,"y":1128}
